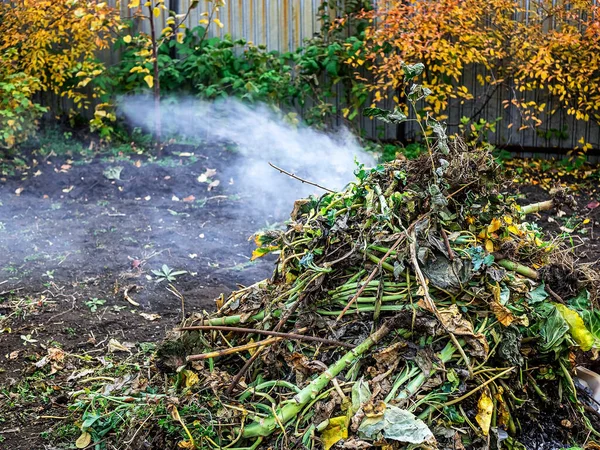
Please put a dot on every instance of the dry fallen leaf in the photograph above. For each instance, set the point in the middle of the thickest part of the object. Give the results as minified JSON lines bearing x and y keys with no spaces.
{"x":213,"y":185}
{"x":19,"y":190}
{"x":84,"y":440}
{"x":150,"y":317}
{"x":138,"y":163}
{"x":189,"y":199}
{"x":485,"y":408}
{"x":65,"y":167}
{"x":37,"y":174}
{"x":116,"y":346}
{"x":204,"y":178}
{"x":69,"y":189}
{"x":175,"y":198}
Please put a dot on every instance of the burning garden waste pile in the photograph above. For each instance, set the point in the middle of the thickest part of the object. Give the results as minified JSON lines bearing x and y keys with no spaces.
{"x":417,"y":307}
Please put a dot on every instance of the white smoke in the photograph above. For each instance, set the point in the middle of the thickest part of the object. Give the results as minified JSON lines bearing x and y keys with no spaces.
{"x":261,"y":136}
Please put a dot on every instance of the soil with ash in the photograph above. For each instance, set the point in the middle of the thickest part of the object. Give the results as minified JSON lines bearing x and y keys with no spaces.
{"x":73,"y":241}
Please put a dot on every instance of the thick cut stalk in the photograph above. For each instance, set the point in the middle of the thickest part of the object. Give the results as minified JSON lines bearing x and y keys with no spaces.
{"x":519,"y":268}
{"x":284,"y":414}
{"x":537,"y":207}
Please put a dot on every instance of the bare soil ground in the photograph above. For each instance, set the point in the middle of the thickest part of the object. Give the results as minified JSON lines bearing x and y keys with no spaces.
{"x":73,"y":241}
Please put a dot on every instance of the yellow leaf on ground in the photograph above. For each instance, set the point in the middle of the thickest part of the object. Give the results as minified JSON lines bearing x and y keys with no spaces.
{"x":336,"y":430}
{"x":191,"y":378}
{"x":577,"y":328}
{"x":485,"y":407}
{"x":84,"y":440}
{"x":489,"y":246}
{"x":494,"y":226}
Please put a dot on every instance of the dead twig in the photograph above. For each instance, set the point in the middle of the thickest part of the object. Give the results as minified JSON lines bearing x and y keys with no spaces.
{"x":447,"y":243}
{"x":296,"y":177}
{"x":300,"y":337}
{"x":232,"y":350}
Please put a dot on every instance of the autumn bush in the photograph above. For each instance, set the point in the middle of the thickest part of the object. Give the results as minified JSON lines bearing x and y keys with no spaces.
{"x":532,"y":54}
{"x":50,"y":49}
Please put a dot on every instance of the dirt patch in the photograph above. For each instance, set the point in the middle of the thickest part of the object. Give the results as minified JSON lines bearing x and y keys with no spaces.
{"x":579,"y":225}
{"x":72,"y":241}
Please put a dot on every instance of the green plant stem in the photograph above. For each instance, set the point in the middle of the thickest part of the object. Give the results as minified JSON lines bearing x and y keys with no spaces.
{"x":445,"y":355}
{"x":519,"y":268}
{"x":287,"y":412}
{"x":377,"y":260}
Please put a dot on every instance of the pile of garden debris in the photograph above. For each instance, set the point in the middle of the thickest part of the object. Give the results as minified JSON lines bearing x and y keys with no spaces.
{"x":417,"y":307}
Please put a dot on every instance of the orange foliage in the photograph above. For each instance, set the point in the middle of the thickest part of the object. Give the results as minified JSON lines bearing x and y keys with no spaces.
{"x":554,"y":50}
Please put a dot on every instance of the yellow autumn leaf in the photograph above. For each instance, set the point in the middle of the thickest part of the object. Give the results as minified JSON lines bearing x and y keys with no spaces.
{"x":84,"y":440}
{"x":489,"y":246}
{"x":508,"y":220}
{"x":336,"y":430}
{"x":494,"y":226}
{"x":218,"y":22}
{"x":514,"y":230}
{"x":180,"y":38}
{"x":127,"y":39}
{"x":134,"y":3}
{"x":149,"y":79}
{"x":156,"y":12}
{"x":191,"y":378}
{"x":577,"y":328}
{"x":485,"y":408}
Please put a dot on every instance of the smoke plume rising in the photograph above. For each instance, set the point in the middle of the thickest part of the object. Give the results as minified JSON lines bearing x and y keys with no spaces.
{"x":260,"y":136}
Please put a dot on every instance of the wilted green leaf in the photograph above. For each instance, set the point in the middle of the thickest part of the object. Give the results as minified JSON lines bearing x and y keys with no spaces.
{"x":361,"y":393}
{"x":395,"y":116}
{"x":592,"y":322}
{"x":397,"y":424}
{"x":553,"y":329}
{"x":537,"y":295}
{"x":412,"y":70}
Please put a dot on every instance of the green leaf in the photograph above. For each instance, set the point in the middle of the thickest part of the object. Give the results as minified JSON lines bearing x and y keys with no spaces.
{"x":413,"y":70}
{"x":581,"y":302}
{"x":397,"y":424}
{"x":396,"y":116}
{"x":592,"y":322}
{"x":553,"y":329}
{"x":538,"y":295}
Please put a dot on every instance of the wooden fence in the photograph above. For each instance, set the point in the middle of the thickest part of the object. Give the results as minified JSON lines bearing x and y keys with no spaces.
{"x":284,"y":25}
